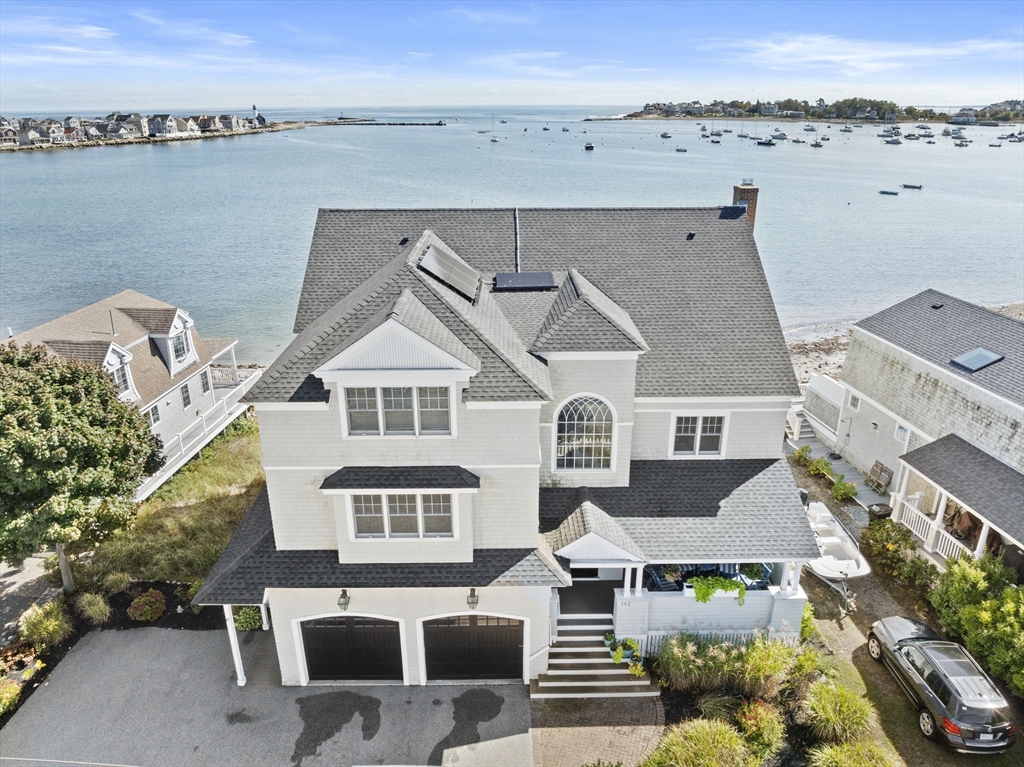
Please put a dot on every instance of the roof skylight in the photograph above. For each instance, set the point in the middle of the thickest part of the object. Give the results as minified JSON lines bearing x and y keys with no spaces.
{"x":976,"y":359}
{"x":450,"y":270}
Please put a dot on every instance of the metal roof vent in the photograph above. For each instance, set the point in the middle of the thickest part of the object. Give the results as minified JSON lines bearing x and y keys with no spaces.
{"x":976,"y":359}
{"x":937,"y":306}
{"x":404,"y":241}
{"x":691,"y":235}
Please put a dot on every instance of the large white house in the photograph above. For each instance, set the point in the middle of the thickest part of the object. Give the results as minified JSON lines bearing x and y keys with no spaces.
{"x":160,"y":363}
{"x":497,"y":434}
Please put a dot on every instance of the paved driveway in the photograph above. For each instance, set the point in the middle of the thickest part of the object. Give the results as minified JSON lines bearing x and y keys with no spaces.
{"x":154,"y":697}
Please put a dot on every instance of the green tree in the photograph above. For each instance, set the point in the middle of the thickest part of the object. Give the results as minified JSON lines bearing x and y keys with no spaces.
{"x":71,"y":455}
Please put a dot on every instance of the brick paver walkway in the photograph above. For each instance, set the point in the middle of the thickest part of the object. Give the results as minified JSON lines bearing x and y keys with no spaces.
{"x":568,"y":732}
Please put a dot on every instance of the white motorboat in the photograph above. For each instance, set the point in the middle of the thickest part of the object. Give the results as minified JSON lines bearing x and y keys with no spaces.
{"x":798,"y":140}
{"x":810,"y":128}
{"x":840,"y":555}
{"x":893,"y":140}
{"x":666,"y":134}
{"x":781,"y":135}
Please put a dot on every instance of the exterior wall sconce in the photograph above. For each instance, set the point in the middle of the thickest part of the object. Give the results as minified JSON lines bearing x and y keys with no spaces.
{"x":472,"y":600}
{"x":343,"y":600}
{"x":874,"y":425}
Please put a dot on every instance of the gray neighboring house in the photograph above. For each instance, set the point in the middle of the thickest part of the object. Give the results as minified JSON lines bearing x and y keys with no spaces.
{"x":933,"y":389}
{"x":496,"y":429}
{"x":188,"y":387}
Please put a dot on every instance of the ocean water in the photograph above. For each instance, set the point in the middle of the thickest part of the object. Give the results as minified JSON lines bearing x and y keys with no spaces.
{"x":222,"y":227}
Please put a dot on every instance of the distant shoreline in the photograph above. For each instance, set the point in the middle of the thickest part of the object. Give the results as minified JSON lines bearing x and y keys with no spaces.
{"x":90,"y":143}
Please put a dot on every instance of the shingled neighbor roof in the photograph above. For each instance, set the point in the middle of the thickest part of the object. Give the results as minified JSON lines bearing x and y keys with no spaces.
{"x":588,"y":518}
{"x":940,"y":335}
{"x":401,"y":478}
{"x":702,"y":304}
{"x":252,"y":563}
{"x":695,"y":511}
{"x":987,"y":485}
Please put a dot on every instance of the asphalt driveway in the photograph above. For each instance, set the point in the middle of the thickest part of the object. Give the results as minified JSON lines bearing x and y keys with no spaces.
{"x":154,"y":697}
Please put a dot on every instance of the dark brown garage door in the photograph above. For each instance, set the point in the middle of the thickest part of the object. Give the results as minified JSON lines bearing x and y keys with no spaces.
{"x":474,"y":647}
{"x":352,"y":647}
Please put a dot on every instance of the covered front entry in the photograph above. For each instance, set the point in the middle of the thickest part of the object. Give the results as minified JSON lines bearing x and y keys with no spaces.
{"x":473,"y":647}
{"x":346,"y":647}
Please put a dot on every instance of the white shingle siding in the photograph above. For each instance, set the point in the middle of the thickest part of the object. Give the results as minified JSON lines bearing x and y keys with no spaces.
{"x":176,"y":419}
{"x":303,"y":515}
{"x":752,"y":430}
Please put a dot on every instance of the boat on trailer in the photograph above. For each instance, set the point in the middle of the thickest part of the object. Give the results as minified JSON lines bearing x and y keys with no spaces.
{"x":840,"y":558}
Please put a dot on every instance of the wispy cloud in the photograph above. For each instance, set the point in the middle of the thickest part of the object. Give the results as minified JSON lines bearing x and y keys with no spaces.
{"x":491,"y":17}
{"x":194,"y":30}
{"x":418,"y":55}
{"x":45,"y":27}
{"x":854,"y":57}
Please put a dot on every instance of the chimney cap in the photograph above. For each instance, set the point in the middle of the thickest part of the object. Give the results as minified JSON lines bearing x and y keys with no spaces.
{"x":747,"y":182}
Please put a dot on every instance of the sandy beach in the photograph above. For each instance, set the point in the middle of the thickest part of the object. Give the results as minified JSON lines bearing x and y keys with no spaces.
{"x":821,"y":348}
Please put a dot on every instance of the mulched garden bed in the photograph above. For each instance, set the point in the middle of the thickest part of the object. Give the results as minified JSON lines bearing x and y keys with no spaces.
{"x":178,"y":615}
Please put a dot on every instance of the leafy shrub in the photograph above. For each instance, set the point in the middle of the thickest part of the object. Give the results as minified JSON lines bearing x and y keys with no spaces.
{"x":917,"y":571}
{"x":837,"y":714}
{"x":45,"y":626}
{"x":967,"y":582}
{"x":802,"y":455}
{"x":248,"y":619}
{"x":700,"y":743}
{"x":636,"y":665}
{"x":843,"y":490}
{"x":819,"y":467}
{"x":888,"y":542}
{"x":705,"y":586}
{"x":93,"y":607}
{"x":10,"y":692}
{"x":717,"y":705}
{"x":810,"y":666}
{"x":762,"y":727}
{"x":116,"y":582}
{"x":807,"y":627}
{"x":147,"y":607}
{"x":767,"y":664}
{"x":861,"y":754}
{"x":995,"y":636}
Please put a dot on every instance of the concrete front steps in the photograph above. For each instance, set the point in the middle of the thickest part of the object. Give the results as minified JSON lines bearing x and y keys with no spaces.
{"x":579,"y":665}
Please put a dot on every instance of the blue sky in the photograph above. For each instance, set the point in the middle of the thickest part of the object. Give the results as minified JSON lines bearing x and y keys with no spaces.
{"x":87,"y":56}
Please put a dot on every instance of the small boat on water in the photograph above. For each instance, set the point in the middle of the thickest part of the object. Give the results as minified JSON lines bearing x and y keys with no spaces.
{"x":947,"y":132}
{"x":716,"y":141}
{"x":840,"y":558}
{"x":766,"y":142}
{"x":893,"y":140}
{"x":961,"y":143}
{"x":995,"y":143}
{"x":545,"y":128}
{"x":680,"y":149}
{"x":825,"y":138}
{"x":846,"y":129}
{"x":666,"y":134}
{"x":911,"y":186}
{"x":926,"y":134}
{"x":726,"y":130}
{"x":857,"y":125}
{"x":798,"y":140}
{"x":716,"y":133}
{"x":781,"y":135}
{"x":886,"y":191}
{"x":494,"y":139}
{"x":810,"y":128}
{"x":565,"y":130}
{"x":817,"y":144}
{"x":589,"y":147}
{"x":742,"y":134}
{"x":503,"y":122}
{"x":929,"y":141}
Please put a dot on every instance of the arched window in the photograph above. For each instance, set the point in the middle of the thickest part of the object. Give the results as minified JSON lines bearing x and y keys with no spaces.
{"x":584,"y":435}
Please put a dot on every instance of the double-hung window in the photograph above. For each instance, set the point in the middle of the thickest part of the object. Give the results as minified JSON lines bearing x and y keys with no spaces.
{"x":186,"y":396}
{"x":153,"y":415}
{"x":402,"y":515}
{"x":698,"y":435}
{"x":121,"y":378}
{"x":398,"y":410}
{"x":204,"y":380}
{"x":180,"y":346}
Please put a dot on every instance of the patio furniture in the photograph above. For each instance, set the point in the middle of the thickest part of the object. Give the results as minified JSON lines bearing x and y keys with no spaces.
{"x":658,"y":582}
{"x":879,"y":478}
{"x":759,"y":583}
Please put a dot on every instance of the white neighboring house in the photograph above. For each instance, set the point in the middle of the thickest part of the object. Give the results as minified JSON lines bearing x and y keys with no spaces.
{"x":495,"y":431}
{"x":188,"y":387}
{"x":163,"y":125}
{"x":932,"y":389}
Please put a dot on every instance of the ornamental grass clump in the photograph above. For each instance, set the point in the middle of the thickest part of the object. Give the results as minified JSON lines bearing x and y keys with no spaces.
{"x":93,"y":607}
{"x":766,"y":666}
{"x":248,"y":619}
{"x":147,"y":607}
{"x":45,"y":626}
{"x":836,"y":714}
{"x":762,"y":727}
{"x":718,"y":705}
{"x":861,"y":754}
{"x":116,"y":582}
{"x":694,"y":664}
{"x":700,"y":743}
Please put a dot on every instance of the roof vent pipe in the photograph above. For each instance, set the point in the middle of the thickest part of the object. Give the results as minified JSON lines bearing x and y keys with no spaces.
{"x":515,"y":224}
{"x":113,"y":332}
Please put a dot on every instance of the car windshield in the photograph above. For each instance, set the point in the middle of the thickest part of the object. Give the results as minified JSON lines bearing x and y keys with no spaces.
{"x":977,"y":715}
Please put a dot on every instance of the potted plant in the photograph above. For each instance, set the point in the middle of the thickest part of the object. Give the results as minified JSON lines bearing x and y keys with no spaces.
{"x":671,"y":573}
{"x":636,"y":666}
{"x":609,"y":638}
{"x":629,"y":647}
{"x":616,"y":650}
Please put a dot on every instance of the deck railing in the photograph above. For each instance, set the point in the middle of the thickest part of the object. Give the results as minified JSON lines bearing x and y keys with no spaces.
{"x":950,"y":547}
{"x":919,"y":524}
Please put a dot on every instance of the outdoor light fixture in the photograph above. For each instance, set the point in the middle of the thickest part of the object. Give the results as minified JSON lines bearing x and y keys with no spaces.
{"x":472,"y":600}
{"x":343,"y":600}
{"x":874,"y":425}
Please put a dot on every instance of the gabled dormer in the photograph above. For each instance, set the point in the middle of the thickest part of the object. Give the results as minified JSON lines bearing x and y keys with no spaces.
{"x":171,"y":330}
{"x":117,"y":363}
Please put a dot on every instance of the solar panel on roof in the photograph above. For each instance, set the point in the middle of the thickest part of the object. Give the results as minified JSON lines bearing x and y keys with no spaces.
{"x":976,"y":359}
{"x":524,"y":281}
{"x":448,"y":269}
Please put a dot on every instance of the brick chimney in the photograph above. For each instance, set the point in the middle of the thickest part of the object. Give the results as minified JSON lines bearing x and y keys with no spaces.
{"x":746,"y":192}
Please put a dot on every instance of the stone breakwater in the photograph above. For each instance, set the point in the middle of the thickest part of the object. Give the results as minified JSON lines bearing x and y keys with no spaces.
{"x":154,"y":139}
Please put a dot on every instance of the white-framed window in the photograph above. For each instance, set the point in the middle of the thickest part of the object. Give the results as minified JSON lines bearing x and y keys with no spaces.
{"x":902,"y":432}
{"x":854,"y":402}
{"x":186,"y":395}
{"x":402,"y":515}
{"x":698,"y":435}
{"x":585,"y":431}
{"x":153,"y":415}
{"x":398,"y":410}
{"x":180,"y":346}
{"x":121,"y":379}
{"x":204,"y":381}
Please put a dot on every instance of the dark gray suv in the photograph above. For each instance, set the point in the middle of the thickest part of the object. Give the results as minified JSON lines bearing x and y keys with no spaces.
{"x":955,"y":699}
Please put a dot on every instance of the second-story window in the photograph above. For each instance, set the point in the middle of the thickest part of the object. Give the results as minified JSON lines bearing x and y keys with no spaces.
{"x":402,"y":515}
{"x":186,"y":396}
{"x":121,"y":378}
{"x":584,"y":439}
{"x":398,"y":410}
{"x":204,"y":381}
{"x":180,"y":346}
{"x":698,"y":435}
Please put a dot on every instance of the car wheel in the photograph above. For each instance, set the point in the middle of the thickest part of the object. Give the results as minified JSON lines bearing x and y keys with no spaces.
{"x":874,"y":648}
{"x":926,"y":723}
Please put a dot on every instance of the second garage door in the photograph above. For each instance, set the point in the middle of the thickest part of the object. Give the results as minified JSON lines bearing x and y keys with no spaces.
{"x":474,"y":647}
{"x":352,"y":647}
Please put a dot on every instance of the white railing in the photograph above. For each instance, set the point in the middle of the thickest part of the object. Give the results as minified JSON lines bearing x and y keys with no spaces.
{"x":919,"y":524}
{"x":223,"y":376}
{"x":207,"y":420}
{"x":950,"y":547}
{"x":650,"y":644}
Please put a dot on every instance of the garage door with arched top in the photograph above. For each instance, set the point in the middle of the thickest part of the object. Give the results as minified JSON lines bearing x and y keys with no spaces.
{"x":474,"y":647}
{"x":352,"y":647}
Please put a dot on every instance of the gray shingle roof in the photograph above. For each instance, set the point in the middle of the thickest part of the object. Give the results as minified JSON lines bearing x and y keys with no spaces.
{"x":702,"y":305}
{"x":987,"y":485}
{"x":588,"y":518}
{"x":252,"y":563}
{"x":939,"y":335}
{"x":401,"y":478}
{"x":698,"y":511}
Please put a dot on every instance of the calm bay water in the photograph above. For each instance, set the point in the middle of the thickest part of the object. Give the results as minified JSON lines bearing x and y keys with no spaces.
{"x":222,"y":227}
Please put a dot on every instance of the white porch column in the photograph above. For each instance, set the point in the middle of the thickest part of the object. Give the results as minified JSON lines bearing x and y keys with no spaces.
{"x":234,"y":365}
{"x":626,"y":573}
{"x":979,"y":550}
{"x":933,"y":533}
{"x":229,"y":617}
{"x":263,"y":615}
{"x":797,"y":569}
{"x":784,"y":580}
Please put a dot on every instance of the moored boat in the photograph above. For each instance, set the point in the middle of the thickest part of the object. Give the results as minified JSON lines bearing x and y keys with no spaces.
{"x":912,"y":186}
{"x":840,"y":558}
{"x":817,"y":144}
{"x":766,"y":142}
{"x":589,"y":147}
{"x":886,"y":191}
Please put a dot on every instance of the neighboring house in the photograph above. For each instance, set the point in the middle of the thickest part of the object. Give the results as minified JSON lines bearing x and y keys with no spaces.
{"x":141,"y":125}
{"x":158,"y":362}
{"x":186,"y":125}
{"x":496,"y":427}
{"x":8,"y":136}
{"x":932,"y":389}
{"x":5,"y":123}
{"x":120,"y":130}
{"x":73,"y":135}
{"x":769,"y":110}
{"x":93,"y":132}
{"x":163,"y":125}
{"x":230,"y":122}
{"x":206,"y":123}
{"x":72,"y":122}
{"x":34,"y":137}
